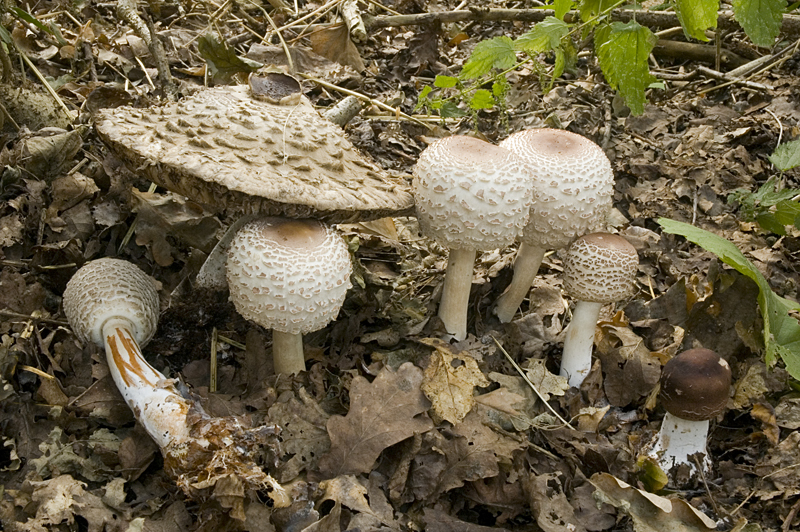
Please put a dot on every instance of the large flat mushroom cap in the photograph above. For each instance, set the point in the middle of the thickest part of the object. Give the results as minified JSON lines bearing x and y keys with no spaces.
{"x":223,"y":148}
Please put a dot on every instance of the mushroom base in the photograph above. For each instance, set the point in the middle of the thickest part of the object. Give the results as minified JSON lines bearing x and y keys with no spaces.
{"x":576,"y":361}
{"x":680,"y":439}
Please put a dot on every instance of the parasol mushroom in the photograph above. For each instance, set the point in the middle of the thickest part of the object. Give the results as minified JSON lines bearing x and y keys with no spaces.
{"x":599,"y":269}
{"x":471,"y":195}
{"x":113,"y":304}
{"x":572,"y":185}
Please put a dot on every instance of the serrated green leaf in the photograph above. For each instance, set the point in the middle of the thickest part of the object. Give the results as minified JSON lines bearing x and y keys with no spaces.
{"x":482,"y":99}
{"x":786,"y":156}
{"x":769,"y":222}
{"x":492,"y":53}
{"x":781,"y":331}
{"x":562,"y":7}
{"x":451,"y":110}
{"x":445,"y":82}
{"x":787,"y":211}
{"x":622,"y":50}
{"x":422,"y":99}
{"x":697,"y":16}
{"x":760,"y":19}
{"x":500,"y":87}
{"x":222,"y":61}
{"x":545,"y":36}
{"x":589,"y":9}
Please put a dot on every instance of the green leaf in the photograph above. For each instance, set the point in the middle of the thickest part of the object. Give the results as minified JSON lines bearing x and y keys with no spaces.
{"x":591,"y":8}
{"x":545,"y":36}
{"x":697,"y":16}
{"x":5,"y":36}
{"x":562,"y":7}
{"x":786,"y":156}
{"x":451,"y":110}
{"x":781,"y":331}
{"x":27,"y":17}
{"x":492,"y":53}
{"x":761,"y":19}
{"x":445,"y":82}
{"x":482,"y":99}
{"x":222,"y":61}
{"x":622,"y":50}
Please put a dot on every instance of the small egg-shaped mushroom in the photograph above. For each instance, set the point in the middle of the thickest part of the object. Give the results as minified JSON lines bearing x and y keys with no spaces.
{"x":695,"y":386}
{"x":599,"y":268}
{"x":470,"y":196}
{"x":290,"y":276}
{"x":572,"y":184}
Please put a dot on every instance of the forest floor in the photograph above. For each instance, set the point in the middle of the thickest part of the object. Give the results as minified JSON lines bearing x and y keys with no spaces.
{"x":361,"y":445}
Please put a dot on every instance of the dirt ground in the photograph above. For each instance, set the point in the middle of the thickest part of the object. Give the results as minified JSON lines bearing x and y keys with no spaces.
{"x":391,"y":428}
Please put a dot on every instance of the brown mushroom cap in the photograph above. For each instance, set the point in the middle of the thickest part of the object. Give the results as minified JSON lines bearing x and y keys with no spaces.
{"x":470,"y":194}
{"x":288,"y":275}
{"x":572,"y":185}
{"x":104,"y":289}
{"x":223,"y":148}
{"x":695,"y":385}
{"x":601,"y":268}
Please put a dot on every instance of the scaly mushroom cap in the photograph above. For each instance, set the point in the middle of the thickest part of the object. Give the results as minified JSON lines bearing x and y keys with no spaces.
{"x":224,"y":148}
{"x":600,"y":268}
{"x":695,"y":385}
{"x":572,"y":185}
{"x":470,"y":194}
{"x":111,"y":288}
{"x":288,"y":275}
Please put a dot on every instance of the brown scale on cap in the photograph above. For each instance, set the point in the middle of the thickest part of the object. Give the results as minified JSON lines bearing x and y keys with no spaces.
{"x":695,"y":385}
{"x":600,"y":268}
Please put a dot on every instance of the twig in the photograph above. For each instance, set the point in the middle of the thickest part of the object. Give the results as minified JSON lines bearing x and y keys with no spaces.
{"x":780,"y":126}
{"x":47,"y":86}
{"x":363,"y":97}
{"x":212,"y":362}
{"x":708,"y":491}
{"x":533,"y":387}
{"x":27,"y":317}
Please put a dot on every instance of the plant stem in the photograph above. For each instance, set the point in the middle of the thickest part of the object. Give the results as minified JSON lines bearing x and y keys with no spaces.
{"x":455,"y":293}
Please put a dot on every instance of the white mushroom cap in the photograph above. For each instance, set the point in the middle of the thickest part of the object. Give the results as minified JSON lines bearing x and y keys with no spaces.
{"x":105,"y":289}
{"x":288,"y":275}
{"x":471,"y":194}
{"x":600,"y":268}
{"x":572,"y":188}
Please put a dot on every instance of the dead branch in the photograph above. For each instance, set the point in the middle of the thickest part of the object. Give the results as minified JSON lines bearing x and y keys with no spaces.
{"x":655,"y":19}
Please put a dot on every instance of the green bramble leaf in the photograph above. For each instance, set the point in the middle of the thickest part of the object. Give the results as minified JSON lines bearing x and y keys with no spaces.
{"x":622,"y":50}
{"x":761,"y":19}
{"x":786,"y":156}
{"x":451,"y":110}
{"x":492,"y":53}
{"x":562,"y":7}
{"x":697,"y":16}
{"x":781,"y":331}
{"x":482,"y":99}
{"x":545,"y":36}
{"x":445,"y":82}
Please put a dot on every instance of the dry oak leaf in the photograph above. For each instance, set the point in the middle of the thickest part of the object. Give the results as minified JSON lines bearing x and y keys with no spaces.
{"x":346,"y":490}
{"x":382,"y":413}
{"x":450,"y":379}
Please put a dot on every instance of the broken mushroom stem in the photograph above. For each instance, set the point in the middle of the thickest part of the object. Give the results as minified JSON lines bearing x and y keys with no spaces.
{"x":113,"y":304}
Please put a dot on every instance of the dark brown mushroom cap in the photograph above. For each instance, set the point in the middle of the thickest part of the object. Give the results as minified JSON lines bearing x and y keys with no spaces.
{"x":601,"y":268}
{"x":695,"y":385}
{"x":223,"y":148}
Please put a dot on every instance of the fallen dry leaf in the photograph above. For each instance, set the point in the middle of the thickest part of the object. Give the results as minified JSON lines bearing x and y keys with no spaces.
{"x":631,"y":370}
{"x":549,"y":504}
{"x":450,"y":380}
{"x":382,"y":413}
{"x":649,"y":512}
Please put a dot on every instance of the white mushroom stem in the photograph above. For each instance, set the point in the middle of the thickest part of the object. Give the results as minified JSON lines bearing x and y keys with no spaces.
{"x":576,"y":361}
{"x":526,"y":266}
{"x":455,"y":292}
{"x":153,"y":398}
{"x":678,"y":440}
{"x":287,"y":353}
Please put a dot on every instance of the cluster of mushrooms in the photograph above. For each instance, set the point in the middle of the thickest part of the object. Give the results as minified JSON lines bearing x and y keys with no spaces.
{"x":275,"y":157}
